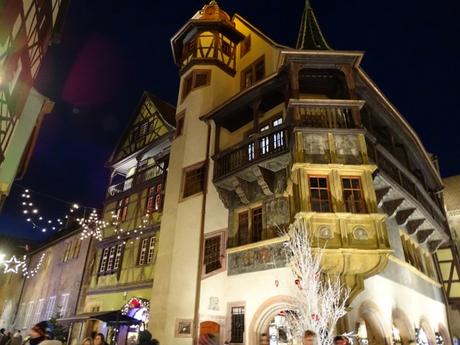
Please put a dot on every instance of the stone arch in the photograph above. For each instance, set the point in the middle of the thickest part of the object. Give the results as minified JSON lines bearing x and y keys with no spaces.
{"x":265,"y":313}
{"x":425,"y":325}
{"x":378,"y":332}
{"x":406,"y":330}
{"x":445,"y":334}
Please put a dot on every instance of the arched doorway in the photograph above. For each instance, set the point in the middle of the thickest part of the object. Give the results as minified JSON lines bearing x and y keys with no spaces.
{"x":444,"y":333}
{"x":402,"y":331}
{"x":425,"y":333}
{"x":209,"y":333}
{"x":371,"y":329}
{"x":268,"y":326}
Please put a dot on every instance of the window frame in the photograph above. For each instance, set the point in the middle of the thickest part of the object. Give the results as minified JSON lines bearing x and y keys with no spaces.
{"x":241,"y":307}
{"x":328,"y":188}
{"x":121,"y":208}
{"x":180,"y":123}
{"x":222,"y":253}
{"x":201,"y":165}
{"x":250,"y":212}
{"x":191,"y":77}
{"x":246,"y":44}
{"x":154,"y":192}
{"x":252,"y":68}
{"x":362,"y":201}
{"x":111,"y":259}
{"x":145,"y":254}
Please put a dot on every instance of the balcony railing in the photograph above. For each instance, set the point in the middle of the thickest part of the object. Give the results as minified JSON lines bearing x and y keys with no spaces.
{"x":135,"y":180}
{"x":261,"y":146}
{"x":324,"y":113}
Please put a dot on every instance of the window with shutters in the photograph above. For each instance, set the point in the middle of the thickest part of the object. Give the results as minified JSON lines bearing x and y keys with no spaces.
{"x":122,"y":209}
{"x":214,"y":254}
{"x":320,"y":196}
{"x":194,"y":179}
{"x":194,"y":80}
{"x":353,"y":196}
{"x":253,"y":73}
{"x":147,"y":248}
{"x":154,"y":198}
{"x":237,"y":325}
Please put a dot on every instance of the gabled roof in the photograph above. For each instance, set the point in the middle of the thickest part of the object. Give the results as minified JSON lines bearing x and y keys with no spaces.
{"x":310,"y":35}
{"x":166,"y":112}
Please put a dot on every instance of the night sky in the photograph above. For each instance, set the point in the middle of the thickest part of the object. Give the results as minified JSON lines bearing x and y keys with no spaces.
{"x":112,"y":50}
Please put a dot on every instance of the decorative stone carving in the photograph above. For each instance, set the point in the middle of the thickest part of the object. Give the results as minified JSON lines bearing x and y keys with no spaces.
{"x":276,"y":212}
{"x":325,"y":232}
{"x":316,"y":147}
{"x":360,"y":234}
{"x":257,"y":259}
{"x":214,"y":303}
{"x":347,"y":148}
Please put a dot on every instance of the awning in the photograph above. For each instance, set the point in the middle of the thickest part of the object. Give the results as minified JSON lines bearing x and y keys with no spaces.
{"x":114,"y":317}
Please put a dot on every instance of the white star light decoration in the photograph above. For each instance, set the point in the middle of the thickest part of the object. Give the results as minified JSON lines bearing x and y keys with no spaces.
{"x":92,"y":226}
{"x":13,"y":265}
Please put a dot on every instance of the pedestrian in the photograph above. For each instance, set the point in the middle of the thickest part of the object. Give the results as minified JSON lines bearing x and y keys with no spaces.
{"x":87,"y":341}
{"x":17,"y":338}
{"x":144,"y":338}
{"x":99,"y":339}
{"x":309,"y":338}
{"x":2,"y":333}
{"x":6,"y":338}
{"x":42,"y":333}
{"x":341,"y":340}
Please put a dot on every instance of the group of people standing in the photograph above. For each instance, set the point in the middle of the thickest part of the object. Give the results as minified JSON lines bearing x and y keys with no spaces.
{"x":309,"y":338}
{"x":10,"y":339}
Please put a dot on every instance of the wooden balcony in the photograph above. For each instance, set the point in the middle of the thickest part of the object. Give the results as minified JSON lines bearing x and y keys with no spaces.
{"x":259,"y":147}
{"x":139,"y":179}
{"x":325,"y":113}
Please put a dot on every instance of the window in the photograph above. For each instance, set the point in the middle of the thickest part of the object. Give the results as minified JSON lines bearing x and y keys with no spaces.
{"x":27,"y":319}
{"x":180,"y":124}
{"x":319,"y":194}
{"x":257,"y":226}
{"x":122,"y":209}
{"x":49,"y":313}
{"x":63,"y":305}
{"x":65,"y":257}
{"x":38,"y":310}
{"x":253,"y":73}
{"x":237,"y":330}
{"x":250,"y":226}
{"x":195,"y":79}
{"x":245,"y":46}
{"x":353,"y":195}
{"x":76,"y":248}
{"x":154,"y":198}
{"x":146,"y":250}
{"x":213,"y":253}
{"x":194,"y":180}
{"x":111,"y":258}
{"x":226,"y":48}
{"x":72,"y":250}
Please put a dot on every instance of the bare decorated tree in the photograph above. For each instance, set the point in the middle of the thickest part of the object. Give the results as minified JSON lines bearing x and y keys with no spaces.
{"x":320,"y":298}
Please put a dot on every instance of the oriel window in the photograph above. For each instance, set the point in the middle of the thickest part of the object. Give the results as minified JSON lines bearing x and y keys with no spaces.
{"x":353,"y":195}
{"x":237,"y":330}
{"x":320,"y":197}
{"x":194,"y":180}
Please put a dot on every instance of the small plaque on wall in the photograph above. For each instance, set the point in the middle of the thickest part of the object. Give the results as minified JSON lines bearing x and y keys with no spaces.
{"x":184,"y":328}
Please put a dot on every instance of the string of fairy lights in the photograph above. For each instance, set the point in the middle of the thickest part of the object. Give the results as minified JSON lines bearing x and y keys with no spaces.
{"x":15,"y":265}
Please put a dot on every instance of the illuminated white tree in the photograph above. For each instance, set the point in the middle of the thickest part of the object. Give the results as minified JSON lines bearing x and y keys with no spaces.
{"x":320,"y":297}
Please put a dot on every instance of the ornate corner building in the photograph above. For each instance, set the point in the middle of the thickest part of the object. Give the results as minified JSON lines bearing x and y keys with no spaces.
{"x":266,"y":134}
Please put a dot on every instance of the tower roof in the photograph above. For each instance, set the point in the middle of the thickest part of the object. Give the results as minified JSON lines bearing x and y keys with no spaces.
{"x":310,"y":36}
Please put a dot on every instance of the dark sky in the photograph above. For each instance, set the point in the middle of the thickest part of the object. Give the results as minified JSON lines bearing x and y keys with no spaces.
{"x":112,"y":50}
